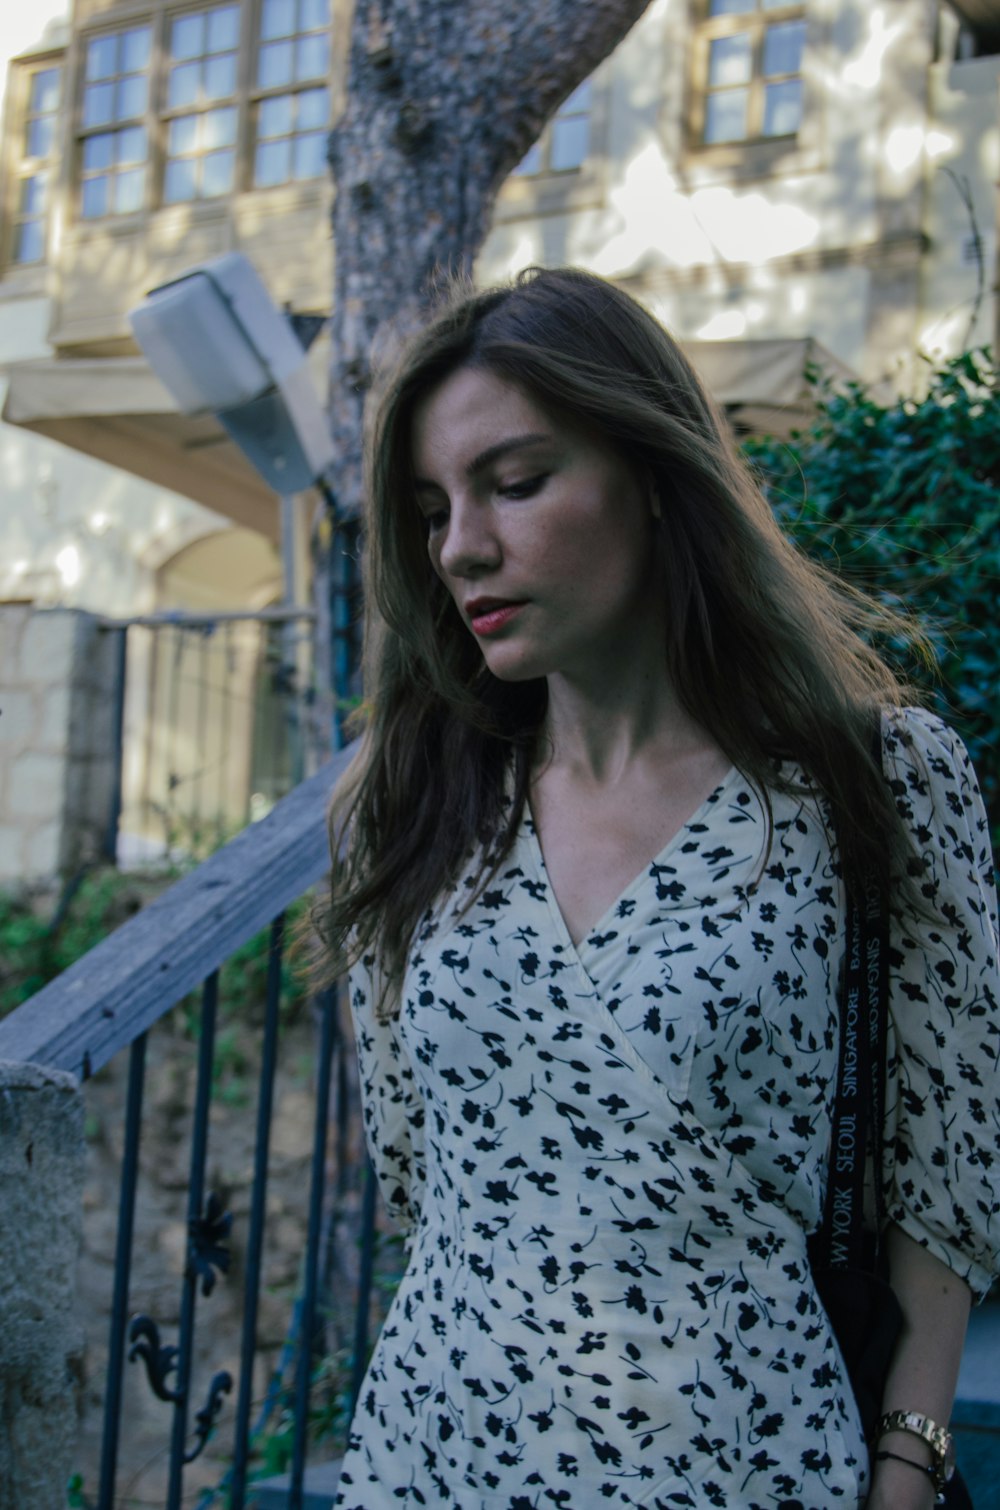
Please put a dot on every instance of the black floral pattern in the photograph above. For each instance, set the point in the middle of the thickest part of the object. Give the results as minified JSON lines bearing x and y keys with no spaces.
{"x":609,"y":1158}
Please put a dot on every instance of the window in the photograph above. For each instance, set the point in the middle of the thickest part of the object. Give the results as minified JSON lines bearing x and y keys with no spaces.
{"x":565,"y":142}
{"x":32,"y":180}
{"x":292,"y":96}
{"x":201,"y":109}
{"x":752,"y":70}
{"x":114,"y":147}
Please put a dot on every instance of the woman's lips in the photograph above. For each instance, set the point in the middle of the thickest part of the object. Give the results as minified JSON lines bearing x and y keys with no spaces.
{"x":489,"y":620}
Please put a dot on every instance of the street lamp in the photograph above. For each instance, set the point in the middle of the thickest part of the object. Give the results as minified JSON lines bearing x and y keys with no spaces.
{"x":219,"y":344}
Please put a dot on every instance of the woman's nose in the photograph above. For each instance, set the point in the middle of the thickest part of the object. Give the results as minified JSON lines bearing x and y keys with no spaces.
{"x":469,"y":543}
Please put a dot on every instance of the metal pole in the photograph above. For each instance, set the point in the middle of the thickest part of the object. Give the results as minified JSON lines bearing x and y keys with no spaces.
{"x":291,"y":681}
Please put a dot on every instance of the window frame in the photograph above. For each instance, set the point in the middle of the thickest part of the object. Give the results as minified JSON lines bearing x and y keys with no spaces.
{"x":160,"y":18}
{"x":554,"y":191}
{"x":115,"y":27}
{"x":165,"y":114}
{"x":754,"y":146}
{"x":19,"y":167}
{"x":258,"y":94}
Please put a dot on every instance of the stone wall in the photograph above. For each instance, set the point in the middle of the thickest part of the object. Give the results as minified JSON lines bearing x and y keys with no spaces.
{"x":41,"y":1351}
{"x":59,"y":673}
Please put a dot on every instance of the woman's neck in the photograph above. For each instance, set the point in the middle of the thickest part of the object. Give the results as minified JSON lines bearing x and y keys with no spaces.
{"x":597,"y":737}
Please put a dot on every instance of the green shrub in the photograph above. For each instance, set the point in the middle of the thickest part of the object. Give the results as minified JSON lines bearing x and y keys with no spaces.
{"x":36,"y":945}
{"x":903,"y":498}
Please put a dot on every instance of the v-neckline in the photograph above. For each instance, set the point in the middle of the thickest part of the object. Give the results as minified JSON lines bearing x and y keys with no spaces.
{"x":610,"y":912}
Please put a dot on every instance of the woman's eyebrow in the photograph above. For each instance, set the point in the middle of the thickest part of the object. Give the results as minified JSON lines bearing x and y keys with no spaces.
{"x":491,"y":454}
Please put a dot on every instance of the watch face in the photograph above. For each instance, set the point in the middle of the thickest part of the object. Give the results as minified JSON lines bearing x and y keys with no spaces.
{"x":949,"y":1456}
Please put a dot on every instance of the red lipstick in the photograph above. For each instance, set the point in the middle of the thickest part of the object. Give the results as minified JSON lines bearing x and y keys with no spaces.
{"x":490,"y":615}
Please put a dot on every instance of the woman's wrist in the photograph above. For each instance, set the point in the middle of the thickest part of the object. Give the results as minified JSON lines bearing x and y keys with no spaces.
{"x":899,"y":1485}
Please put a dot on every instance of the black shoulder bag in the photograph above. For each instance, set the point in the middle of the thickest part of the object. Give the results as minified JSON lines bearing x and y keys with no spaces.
{"x":847,"y":1260}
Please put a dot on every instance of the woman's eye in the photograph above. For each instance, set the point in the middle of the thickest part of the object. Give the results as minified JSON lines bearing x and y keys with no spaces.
{"x":435,"y":519}
{"x":525,"y":488}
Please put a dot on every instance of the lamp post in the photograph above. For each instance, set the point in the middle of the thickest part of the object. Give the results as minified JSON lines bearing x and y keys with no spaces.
{"x":220,"y":346}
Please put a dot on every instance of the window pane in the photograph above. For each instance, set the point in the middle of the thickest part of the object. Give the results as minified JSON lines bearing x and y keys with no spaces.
{"x":179,"y":180}
{"x":783,"y":108}
{"x":187,"y":37}
{"x":314,"y":109}
{"x":277,"y":19}
{"x":274,"y":66}
{"x":726,"y":116}
{"x":271,"y":164}
{"x":310,"y":155}
{"x":313,"y":14}
{"x":530,"y":163}
{"x":578,"y":100}
{"x":40,"y":133}
{"x":220,"y":76}
{"x":217,"y":173}
{"x":183,"y":88}
{"x":102,"y":55}
{"x":135,"y":50}
{"x":33,"y":194}
{"x":98,"y":104}
{"x":275,"y":116}
{"x":313,"y":57}
{"x":132,"y":145}
{"x":98,"y":152}
{"x":128,"y":191}
{"x":30,"y":242}
{"x":223,"y":28}
{"x":729,"y":61}
{"x":218,"y":128}
{"x":732,"y":7}
{"x":95,"y":198}
{"x":569,"y":142}
{"x":182,"y":135}
{"x":45,"y":91}
{"x":783,"y":48}
{"x":131,"y":97}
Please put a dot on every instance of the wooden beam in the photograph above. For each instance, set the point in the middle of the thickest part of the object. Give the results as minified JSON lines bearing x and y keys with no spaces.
{"x":122,"y":986}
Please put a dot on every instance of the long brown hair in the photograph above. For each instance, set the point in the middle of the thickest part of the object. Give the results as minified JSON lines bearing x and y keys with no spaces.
{"x":764,"y":648}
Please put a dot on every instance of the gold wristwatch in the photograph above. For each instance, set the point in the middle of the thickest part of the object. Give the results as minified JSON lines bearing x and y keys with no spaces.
{"x":938,"y":1439}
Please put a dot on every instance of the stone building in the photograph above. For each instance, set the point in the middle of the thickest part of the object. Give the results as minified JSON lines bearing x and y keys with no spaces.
{"x":781,"y":182}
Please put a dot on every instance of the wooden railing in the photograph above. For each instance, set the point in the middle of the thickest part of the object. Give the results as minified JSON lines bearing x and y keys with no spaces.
{"x":106,"y":1004}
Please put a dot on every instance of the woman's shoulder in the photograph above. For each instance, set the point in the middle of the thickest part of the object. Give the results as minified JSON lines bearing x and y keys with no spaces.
{"x":935,"y":787}
{"x":923,"y":754}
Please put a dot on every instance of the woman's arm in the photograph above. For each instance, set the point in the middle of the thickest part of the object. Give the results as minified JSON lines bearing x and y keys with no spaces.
{"x":924,"y":1371}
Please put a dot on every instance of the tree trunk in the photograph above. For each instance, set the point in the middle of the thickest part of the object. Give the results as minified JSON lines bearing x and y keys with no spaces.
{"x":444,"y":97}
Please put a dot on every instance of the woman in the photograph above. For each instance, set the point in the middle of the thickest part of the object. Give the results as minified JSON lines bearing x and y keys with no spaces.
{"x":594,"y":903}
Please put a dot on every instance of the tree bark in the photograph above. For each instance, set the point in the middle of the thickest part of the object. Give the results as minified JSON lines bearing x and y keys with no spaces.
{"x":444,"y":97}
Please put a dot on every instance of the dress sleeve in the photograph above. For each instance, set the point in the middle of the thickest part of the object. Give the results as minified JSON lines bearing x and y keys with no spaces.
{"x":943,"y":1113}
{"x":392,"y":1108}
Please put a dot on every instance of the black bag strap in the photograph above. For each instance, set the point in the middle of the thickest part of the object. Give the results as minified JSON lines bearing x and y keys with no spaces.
{"x":859,"y":1104}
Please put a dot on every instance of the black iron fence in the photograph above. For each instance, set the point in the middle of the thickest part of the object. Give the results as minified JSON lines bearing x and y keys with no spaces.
{"x":109,"y":1004}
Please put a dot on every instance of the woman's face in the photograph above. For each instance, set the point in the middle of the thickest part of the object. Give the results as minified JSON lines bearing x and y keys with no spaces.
{"x":542,"y":535}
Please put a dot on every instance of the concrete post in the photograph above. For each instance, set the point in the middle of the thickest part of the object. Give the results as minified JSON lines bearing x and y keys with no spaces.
{"x":59,"y":676}
{"x":41,"y":1340}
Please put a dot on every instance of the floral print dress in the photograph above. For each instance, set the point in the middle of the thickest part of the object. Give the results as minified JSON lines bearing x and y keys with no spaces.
{"x":609,"y":1157}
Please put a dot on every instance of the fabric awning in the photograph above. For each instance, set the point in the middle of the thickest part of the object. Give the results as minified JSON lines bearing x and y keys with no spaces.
{"x":115,"y":409}
{"x":762,"y":384}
